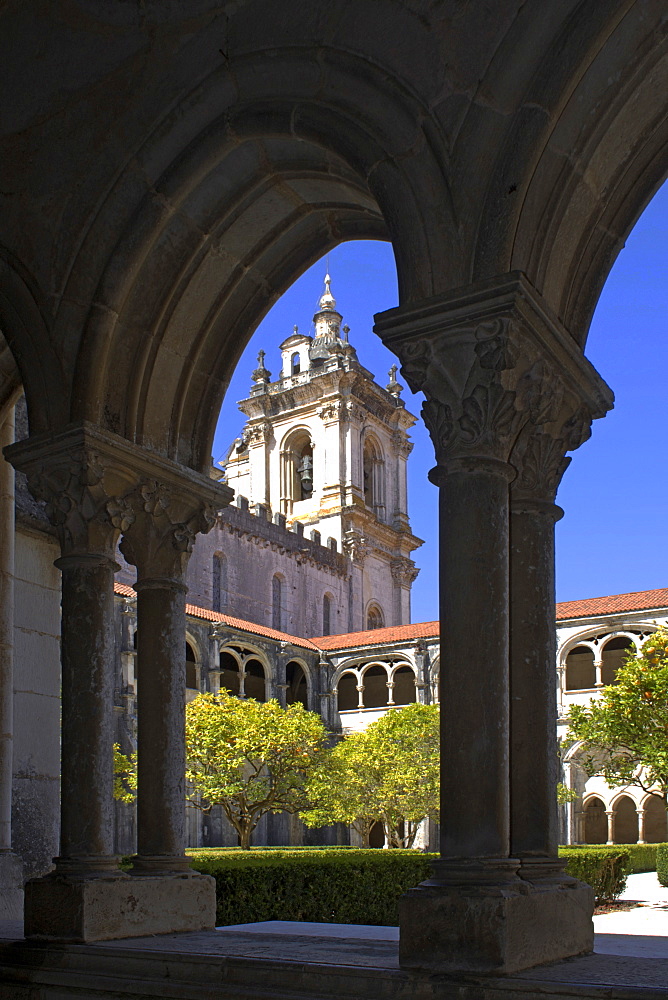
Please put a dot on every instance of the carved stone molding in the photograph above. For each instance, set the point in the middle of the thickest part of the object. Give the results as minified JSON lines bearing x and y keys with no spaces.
{"x":332,"y":410}
{"x":258,"y":434}
{"x":404,"y":572}
{"x":492,"y":359}
{"x":355,"y":546}
{"x":97,"y":486}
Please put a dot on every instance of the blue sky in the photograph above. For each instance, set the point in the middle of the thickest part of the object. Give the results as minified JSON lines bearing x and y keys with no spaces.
{"x":614,"y":535}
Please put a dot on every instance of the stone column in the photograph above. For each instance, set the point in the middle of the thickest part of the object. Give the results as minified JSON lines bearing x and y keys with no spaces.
{"x":94,"y":486}
{"x":610,"y":813}
{"x":598,"y":667}
{"x":561,"y":424}
{"x":159,"y":543}
{"x":641,"y":824}
{"x":11,"y":869}
{"x":491,"y":360}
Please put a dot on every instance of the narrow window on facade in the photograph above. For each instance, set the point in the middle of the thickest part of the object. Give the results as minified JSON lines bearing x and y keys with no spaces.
{"x":296,"y":363}
{"x":219,"y":582}
{"x":191,"y":668}
{"x":326,"y":615}
{"x":374,"y":617}
{"x":278,"y":617}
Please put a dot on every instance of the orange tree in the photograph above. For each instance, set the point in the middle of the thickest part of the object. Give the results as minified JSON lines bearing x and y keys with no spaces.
{"x":624,"y":734}
{"x":250,"y":757}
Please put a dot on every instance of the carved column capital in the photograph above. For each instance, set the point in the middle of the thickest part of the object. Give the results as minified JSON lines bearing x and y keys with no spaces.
{"x":491,"y":360}
{"x":160,"y":538}
{"x":97,"y":486}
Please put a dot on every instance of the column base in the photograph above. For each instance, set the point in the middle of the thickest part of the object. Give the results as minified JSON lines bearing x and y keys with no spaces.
{"x":11,"y":886}
{"x":494,"y":929}
{"x":65,"y":908}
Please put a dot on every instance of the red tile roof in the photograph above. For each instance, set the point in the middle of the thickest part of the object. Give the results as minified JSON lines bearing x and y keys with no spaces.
{"x":377,"y":636}
{"x":592,"y":607}
{"x":215,"y":616}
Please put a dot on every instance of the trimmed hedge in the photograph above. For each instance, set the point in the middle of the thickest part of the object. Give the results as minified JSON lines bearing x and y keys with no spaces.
{"x":643,"y":857}
{"x":662,"y":864}
{"x":604,"y":868}
{"x":349,"y":885}
{"x":345,"y":886}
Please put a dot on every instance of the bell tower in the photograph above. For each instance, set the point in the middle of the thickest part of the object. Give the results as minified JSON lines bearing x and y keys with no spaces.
{"x":326,"y":446}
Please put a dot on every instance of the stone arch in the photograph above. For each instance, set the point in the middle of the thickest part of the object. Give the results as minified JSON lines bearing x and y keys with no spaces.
{"x":375,"y":675}
{"x":614,"y":651}
{"x":255,"y":682}
{"x":373,"y":470}
{"x":296,"y":466}
{"x":580,"y":669}
{"x":656,"y":828}
{"x":229,"y":663}
{"x":299,"y":682}
{"x":625,"y":819}
{"x":187,"y":258}
{"x":404,"y":679}
{"x":347,"y":699}
{"x":374,"y":616}
{"x":595,"y":820}
{"x":193,"y":663}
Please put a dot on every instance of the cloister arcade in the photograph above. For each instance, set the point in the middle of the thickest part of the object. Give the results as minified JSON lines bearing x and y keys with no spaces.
{"x":375,"y":684}
{"x":629,"y":817}
{"x":168,"y":170}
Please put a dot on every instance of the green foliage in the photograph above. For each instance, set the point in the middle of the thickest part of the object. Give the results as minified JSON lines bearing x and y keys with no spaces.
{"x":326,"y":885}
{"x":250,"y":757}
{"x":624,"y":734}
{"x":125,"y":775}
{"x":662,"y":864}
{"x":642,"y":857}
{"x":389,"y":774}
{"x":604,"y":868}
{"x":565,"y":794}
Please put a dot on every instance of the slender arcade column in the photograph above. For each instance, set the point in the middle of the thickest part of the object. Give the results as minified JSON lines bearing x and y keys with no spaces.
{"x":473,"y":515}
{"x":161,"y":628}
{"x":159,"y":543}
{"x":498,"y":372}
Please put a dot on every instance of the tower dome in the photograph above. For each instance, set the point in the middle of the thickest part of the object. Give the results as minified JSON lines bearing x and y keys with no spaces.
{"x":327,"y":323}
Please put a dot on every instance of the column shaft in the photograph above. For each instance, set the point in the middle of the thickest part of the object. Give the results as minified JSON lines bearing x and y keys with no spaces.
{"x":474,"y":662}
{"x":6,"y":634}
{"x":161,"y":684}
{"x":88,"y":654}
{"x":533,"y":696}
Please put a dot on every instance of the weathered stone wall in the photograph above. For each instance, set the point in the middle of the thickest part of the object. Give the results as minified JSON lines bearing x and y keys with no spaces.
{"x":35,"y":806}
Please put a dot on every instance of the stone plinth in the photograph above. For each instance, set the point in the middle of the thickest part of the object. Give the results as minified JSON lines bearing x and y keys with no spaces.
{"x":493,"y":929}
{"x":11,"y":886}
{"x":105,"y":909}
